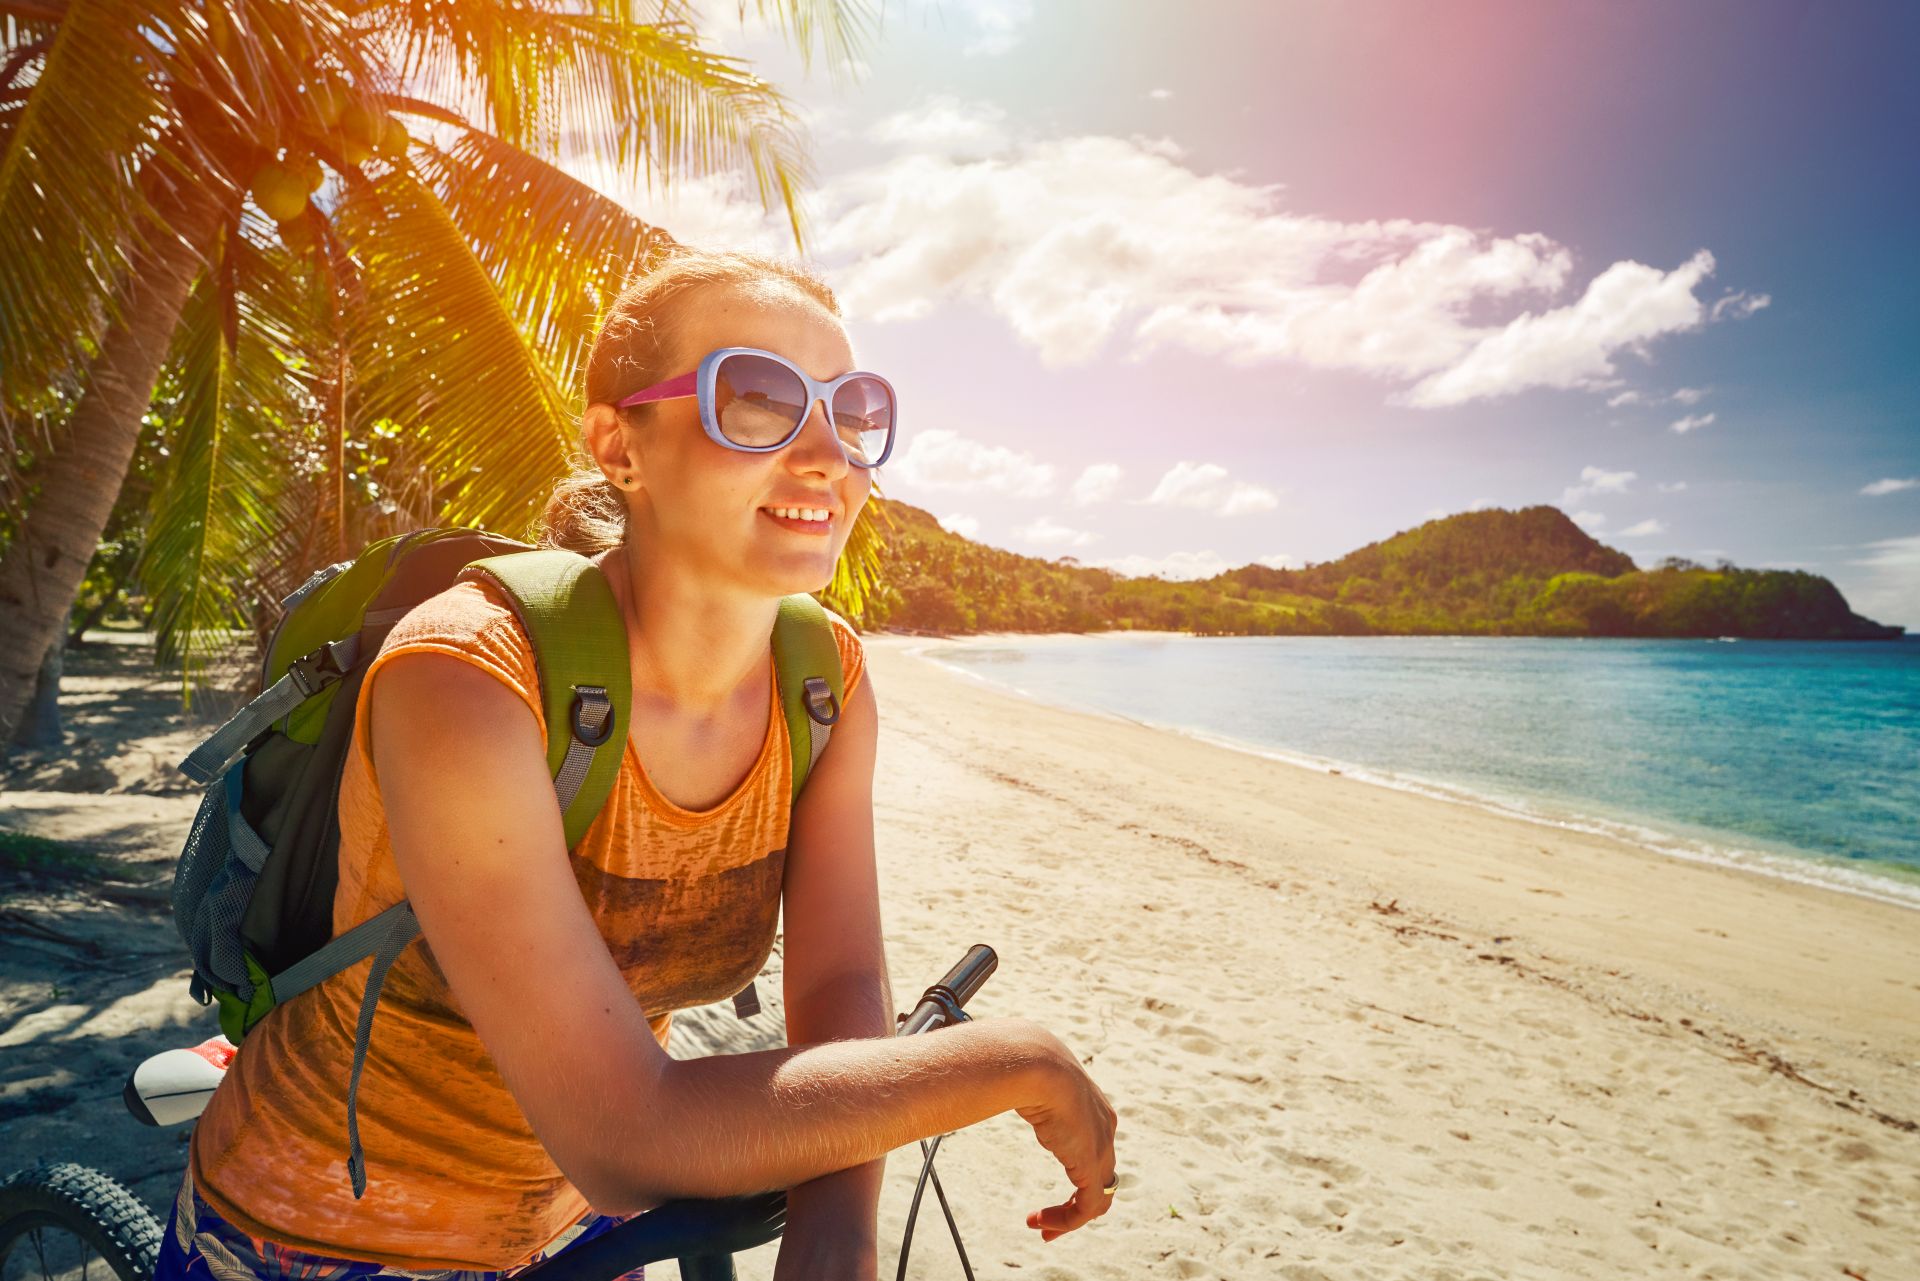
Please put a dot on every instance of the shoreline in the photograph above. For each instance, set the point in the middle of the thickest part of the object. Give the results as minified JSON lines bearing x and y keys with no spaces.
{"x":1384,"y":835}
{"x":1370,"y":1034}
{"x":1717,"y":849}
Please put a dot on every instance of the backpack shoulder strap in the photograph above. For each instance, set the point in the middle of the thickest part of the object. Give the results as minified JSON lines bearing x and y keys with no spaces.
{"x":586,"y":687}
{"x":806,"y":660}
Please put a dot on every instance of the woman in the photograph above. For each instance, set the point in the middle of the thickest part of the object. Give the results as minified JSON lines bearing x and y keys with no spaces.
{"x":518,"y":1094}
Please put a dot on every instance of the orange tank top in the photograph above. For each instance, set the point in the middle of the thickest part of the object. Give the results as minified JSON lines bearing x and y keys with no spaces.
{"x":687,"y":901}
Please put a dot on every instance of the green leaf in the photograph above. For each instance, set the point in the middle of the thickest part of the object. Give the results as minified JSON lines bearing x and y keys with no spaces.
{"x":215,"y":508}
{"x":438,"y":351}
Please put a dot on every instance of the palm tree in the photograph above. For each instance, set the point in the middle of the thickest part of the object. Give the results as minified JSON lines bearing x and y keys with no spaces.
{"x":279,"y":226}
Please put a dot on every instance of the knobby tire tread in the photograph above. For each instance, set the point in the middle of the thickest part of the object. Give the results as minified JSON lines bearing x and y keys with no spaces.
{"x":87,"y":1204}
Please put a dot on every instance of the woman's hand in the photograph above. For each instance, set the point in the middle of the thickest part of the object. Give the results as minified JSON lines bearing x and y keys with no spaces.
{"x":1074,"y":1121}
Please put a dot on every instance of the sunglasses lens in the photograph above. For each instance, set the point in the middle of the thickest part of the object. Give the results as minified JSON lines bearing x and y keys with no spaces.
{"x":756,"y":401}
{"x":863,"y":415}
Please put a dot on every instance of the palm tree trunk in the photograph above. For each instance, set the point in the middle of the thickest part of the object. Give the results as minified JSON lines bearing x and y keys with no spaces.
{"x":40,"y":723}
{"x":41,"y":570}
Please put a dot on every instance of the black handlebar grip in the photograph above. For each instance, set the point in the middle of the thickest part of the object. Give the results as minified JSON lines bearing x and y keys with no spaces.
{"x":974,"y":969}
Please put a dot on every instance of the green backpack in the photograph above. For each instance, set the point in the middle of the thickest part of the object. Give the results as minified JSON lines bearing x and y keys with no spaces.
{"x":253,"y":890}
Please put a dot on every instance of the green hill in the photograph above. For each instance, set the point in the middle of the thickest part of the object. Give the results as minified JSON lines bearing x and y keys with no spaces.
{"x":1531,"y":572}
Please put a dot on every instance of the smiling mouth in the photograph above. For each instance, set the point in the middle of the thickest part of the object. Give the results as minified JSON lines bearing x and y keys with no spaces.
{"x":801,"y":519}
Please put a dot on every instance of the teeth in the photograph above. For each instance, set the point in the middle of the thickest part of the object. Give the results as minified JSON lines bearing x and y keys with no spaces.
{"x":800,"y":513}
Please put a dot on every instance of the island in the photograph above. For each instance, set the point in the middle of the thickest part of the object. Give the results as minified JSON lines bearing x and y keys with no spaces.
{"x":1491,"y":572}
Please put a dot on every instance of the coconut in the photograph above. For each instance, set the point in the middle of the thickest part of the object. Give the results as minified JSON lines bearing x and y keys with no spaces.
{"x":308,"y":170}
{"x":327,"y":100}
{"x":361,"y":125}
{"x":279,"y":191}
{"x":394,"y":138}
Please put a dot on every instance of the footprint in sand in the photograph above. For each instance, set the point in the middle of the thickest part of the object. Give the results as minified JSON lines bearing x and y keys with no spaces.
{"x":1333,"y":1167}
{"x":1197,"y":1040}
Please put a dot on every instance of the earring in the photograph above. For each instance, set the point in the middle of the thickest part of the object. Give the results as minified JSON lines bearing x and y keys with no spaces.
{"x":626,"y":482}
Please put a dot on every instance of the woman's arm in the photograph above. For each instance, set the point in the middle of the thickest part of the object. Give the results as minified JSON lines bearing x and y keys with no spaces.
{"x":479,"y":846}
{"x":834,"y":963}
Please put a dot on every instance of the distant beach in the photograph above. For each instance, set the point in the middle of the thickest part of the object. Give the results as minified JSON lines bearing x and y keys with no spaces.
{"x":1790,"y":758}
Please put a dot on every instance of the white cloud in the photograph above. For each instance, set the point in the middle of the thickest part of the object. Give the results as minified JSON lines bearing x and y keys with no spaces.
{"x":944,"y":459}
{"x":944,"y":125}
{"x":1203,"y":564}
{"x":1074,"y":241}
{"x":1589,"y":520}
{"x":1188,"y":565}
{"x":963,"y":525}
{"x":998,"y":25}
{"x":1046,"y":532}
{"x":1890,"y":485}
{"x":1207,"y":486}
{"x":1597,"y":480}
{"x":1625,"y":307}
{"x":1674,"y":488}
{"x":1890,"y":592}
{"x":1692,"y":422}
{"x":1740,"y":305}
{"x":1641,"y":530}
{"x":1679,"y":396}
{"x":1096,"y":484}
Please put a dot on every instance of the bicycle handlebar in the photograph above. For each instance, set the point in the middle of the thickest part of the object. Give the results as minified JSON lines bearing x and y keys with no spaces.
{"x":703,"y":1233}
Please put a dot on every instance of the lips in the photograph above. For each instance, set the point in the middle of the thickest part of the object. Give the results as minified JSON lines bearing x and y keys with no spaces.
{"x":800,"y":524}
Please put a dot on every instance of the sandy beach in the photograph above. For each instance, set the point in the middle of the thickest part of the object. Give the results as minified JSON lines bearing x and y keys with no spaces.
{"x":1351,"y":1032}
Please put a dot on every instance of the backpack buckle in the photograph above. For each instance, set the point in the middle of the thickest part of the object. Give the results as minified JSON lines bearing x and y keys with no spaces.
{"x":592,"y":714}
{"x":817,"y":697}
{"x":313,"y":672}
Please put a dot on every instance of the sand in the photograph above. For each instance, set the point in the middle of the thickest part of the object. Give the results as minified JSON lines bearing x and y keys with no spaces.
{"x":1349,"y":1031}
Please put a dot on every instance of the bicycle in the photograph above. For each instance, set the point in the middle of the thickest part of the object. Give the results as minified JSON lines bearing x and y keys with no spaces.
{"x":701,"y":1234}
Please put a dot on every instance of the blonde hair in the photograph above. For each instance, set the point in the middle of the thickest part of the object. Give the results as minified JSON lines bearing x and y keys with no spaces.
{"x":634,"y":348}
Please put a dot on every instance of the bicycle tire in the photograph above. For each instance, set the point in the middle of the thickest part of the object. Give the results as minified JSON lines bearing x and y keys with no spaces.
{"x":86,"y":1204}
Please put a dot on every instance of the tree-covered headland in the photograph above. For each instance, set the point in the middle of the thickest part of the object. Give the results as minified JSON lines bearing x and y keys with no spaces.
{"x":1495,"y":572}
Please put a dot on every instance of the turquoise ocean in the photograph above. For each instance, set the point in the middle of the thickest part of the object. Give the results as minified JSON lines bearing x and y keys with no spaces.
{"x":1795,"y":758}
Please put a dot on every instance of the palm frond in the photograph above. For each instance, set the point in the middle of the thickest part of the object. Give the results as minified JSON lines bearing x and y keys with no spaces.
{"x":215,"y":503}
{"x":841,"y":25}
{"x":556,"y":248}
{"x":132,"y":98}
{"x":68,"y":199}
{"x":862,"y":561}
{"x":437,"y":350}
{"x":639,"y":96}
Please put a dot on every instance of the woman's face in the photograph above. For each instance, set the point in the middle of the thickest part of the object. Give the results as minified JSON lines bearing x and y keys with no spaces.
{"x":708,"y":507}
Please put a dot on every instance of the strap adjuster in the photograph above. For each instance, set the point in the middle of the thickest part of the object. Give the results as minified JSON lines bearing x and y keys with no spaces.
{"x":313,"y":672}
{"x":592,"y":714}
{"x":817,"y":697}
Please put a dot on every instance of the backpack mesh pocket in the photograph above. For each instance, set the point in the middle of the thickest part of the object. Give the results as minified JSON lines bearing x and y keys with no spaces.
{"x":213,"y":883}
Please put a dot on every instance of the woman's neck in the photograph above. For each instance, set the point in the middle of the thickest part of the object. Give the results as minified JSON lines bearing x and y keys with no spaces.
{"x":691,"y":647}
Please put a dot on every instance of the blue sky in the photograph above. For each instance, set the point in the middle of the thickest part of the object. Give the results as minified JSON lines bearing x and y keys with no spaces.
{"x":1179,"y":287}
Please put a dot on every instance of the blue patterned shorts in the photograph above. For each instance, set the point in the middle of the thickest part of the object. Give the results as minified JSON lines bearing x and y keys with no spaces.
{"x":199,"y":1245}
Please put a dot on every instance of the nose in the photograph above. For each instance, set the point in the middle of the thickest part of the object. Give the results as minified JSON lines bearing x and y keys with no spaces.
{"x":818,"y":449}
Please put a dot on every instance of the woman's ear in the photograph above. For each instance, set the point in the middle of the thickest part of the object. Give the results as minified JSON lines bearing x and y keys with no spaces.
{"x":610,"y":442}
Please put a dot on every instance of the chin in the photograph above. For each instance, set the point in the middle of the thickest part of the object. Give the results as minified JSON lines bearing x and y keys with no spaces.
{"x":791,"y":578}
